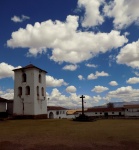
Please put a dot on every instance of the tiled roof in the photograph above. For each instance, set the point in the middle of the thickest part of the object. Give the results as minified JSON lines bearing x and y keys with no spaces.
{"x":29,"y":67}
{"x":105,"y":109}
{"x":131,"y":106}
{"x":3,"y":99}
{"x":55,"y":108}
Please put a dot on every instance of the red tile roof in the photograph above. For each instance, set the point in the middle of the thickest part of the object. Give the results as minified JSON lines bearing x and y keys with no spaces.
{"x":131,"y":106}
{"x":30,"y":66}
{"x":55,"y":108}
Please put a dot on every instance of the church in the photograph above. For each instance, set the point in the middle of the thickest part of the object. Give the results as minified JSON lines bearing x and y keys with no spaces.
{"x":29,"y":92}
{"x":30,"y":100}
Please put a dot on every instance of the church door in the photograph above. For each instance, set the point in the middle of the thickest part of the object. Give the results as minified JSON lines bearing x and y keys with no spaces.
{"x":51,"y":115}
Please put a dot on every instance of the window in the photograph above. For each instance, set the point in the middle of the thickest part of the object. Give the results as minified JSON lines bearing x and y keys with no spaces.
{"x":27,"y":90}
{"x":24,"y":78}
{"x":19,"y":91}
{"x":40,"y":78}
{"x":57,"y":112}
{"x":42,"y":91}
{"x":37,"y":90}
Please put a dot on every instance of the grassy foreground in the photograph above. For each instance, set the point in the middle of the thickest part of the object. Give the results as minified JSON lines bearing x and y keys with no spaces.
{"x":69,"y":135}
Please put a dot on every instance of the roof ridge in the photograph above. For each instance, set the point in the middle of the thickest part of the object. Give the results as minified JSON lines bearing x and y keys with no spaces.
{"x":28,"y":67}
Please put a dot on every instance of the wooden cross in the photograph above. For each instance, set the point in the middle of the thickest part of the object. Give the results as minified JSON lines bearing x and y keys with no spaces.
{"x":82,"y":97}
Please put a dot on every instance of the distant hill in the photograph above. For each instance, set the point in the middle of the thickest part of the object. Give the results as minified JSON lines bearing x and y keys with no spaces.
{"x":119,"y":104}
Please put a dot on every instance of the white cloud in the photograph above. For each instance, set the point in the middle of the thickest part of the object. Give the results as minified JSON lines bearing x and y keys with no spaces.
{"x":99,"y":89}
{"x":19,"y":19}
{"x":80,"y":77}
{"x":101,"y":74}
{"x":70,"y":67}
{"x":124,"y":12}
{"x":52,"y":82}
{"x":56,"y":98}
{"x":6,"y":70}
{"x":92,"y":15}
{"x":71,"y":89}
{"x":97,"y":98}
{"x":64,"y":39}
{"x":122,"y":90}
{"x":125,"y":94}
{"x":92,"y":76}
{"x":133,"y":80}
{"x":113,"y":83}
{"x":96,"y":75}
{"x":91,"y":65}
{"x":129,"y":55}
{"x":8,"y":94}
{"x":136,"y":73}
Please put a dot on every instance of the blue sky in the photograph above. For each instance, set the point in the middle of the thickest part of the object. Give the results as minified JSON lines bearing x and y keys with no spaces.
{"x":88,"y":47}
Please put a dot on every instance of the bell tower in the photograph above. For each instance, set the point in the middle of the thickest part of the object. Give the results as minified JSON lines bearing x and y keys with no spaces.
{"x":30,"y":92}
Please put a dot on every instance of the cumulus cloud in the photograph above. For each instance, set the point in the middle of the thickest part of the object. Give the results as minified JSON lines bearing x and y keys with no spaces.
{"x":52,"y":82}
{"x":99,"y":89}
{"x":96,"y":75}
{"x":133,"y":80}
{"x":97,"y":98}
{"x":80,"y":77}
{"x":6,"y":70}
{"x":125,"y":94}
{"x":59,"y":99}
{"x":129,"y":55}
{"x":7,"y":94}
{"x":56,"y":98}
{"x":92,"y":15}
{"x":113,"y":83}
{"x":64,"y":38}
{"x":19,"y":19}
{"x":91,"y":65}
{"x":124,"y":12}
{"x":71,"y":89}
{"x":70,"y":67}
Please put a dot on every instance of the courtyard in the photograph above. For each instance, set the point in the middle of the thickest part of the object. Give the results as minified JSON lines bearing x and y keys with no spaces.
{"x":64,"y":134}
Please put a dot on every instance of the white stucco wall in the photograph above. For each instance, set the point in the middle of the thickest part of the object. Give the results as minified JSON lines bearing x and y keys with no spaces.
{"x":40,"y":103}
{"x":33,"y":105}
{"x":132,"y":112}
{"x":103,"y":113}
{"x":70,"y":116}
{"x":58,"y":114}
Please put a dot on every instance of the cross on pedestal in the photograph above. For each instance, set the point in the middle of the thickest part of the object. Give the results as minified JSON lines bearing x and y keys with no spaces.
{"x":82,"y":97}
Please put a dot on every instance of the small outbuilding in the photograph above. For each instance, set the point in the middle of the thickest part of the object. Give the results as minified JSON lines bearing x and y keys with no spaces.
{"x":56,"y":112}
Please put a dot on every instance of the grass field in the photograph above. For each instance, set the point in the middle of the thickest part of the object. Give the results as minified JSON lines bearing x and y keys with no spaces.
{"x":69,"y":135}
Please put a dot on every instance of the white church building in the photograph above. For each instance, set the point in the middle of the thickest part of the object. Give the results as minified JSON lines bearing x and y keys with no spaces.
{"x":30,"y":100}
{"x":29,"y":92}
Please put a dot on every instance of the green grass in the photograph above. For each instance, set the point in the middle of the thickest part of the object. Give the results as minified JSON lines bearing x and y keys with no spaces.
{"x":67,"y":134}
